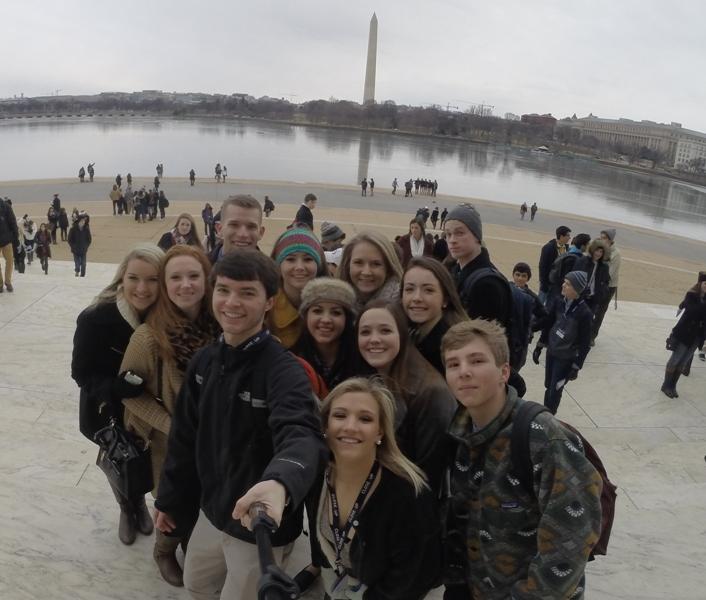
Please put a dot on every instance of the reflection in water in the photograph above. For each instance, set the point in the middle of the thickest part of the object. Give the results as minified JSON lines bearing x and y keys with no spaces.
{"x":265,"y":150}
{"x":363,"y":156}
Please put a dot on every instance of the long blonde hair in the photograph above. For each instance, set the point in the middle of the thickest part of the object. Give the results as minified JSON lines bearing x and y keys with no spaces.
{"x":145,"y":251}
{"x":393,"y":267}
{"x":389,"y":454}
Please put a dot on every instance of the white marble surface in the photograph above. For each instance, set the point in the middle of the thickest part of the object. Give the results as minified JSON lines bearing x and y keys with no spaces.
{"x":58,"y":518}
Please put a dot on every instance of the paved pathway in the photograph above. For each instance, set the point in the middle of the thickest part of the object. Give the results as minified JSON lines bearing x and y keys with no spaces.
{"x":58,"y":518}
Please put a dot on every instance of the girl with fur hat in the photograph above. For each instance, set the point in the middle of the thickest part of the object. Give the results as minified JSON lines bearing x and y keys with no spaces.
{"x":686,"y":336}
{"x":300,"y":258}
{"x":327,"y":340}
{"x":431,"y":303}
{"x":371,"y":266}
{"x":159,"y":351}
{"x":596,"y":268}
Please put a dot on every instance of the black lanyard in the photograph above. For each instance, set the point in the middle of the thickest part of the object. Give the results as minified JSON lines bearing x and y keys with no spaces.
{"x":340,"y":536}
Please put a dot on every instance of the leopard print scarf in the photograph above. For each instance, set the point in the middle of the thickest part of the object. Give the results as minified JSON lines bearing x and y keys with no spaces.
{"x":192,"y":336}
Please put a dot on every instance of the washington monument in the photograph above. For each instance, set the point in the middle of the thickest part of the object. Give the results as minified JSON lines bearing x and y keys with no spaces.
{"x":369,"y":90}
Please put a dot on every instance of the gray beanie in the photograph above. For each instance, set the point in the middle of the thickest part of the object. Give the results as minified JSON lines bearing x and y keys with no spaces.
{"x":610,"y":233}
{"x":578,"y":280}
{"x":330,"y":232}
{"x":468,"y":215}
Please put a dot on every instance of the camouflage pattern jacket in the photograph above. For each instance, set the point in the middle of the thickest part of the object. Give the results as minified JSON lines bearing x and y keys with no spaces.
{"x":502,"y":542}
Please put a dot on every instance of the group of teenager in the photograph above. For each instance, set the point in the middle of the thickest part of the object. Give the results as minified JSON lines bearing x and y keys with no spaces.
{"x":378,"y":398}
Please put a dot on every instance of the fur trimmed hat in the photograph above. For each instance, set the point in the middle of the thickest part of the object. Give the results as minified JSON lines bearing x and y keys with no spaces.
{"x":327,"y":289}
{"x":578,"y":280}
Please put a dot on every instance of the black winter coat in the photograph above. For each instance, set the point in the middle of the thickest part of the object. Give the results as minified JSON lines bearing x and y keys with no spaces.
{"x":102,"y":335}
{"x":600,"y":288}
{"x":396,"y":551}
{"x":305,"y":217}
{"x":567,"y":334}
{"x":550,"y":252}
{"x":79,"y":239}
{"x":691,"y":327}
{"x":8,"y":225}
{"x":487,"y":300}
{"x":243,"y":415}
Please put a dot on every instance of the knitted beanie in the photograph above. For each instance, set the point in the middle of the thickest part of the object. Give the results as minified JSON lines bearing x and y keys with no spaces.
{"x":468,"y":215}
{"x":610,"y":233}
{"x":330,"y":232}
{"x":327,"y":289}
{"x":297,"y":239}
{"x":578,"y":280}
{"x":702,"y":276}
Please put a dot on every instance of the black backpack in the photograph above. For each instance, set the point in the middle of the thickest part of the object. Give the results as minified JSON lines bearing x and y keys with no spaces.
{"x":522,"y":467}
{"x":516,"y":319}
{"x":560,"y":267}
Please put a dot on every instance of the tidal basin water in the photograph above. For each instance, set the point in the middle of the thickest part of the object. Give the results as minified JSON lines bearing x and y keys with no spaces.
{"x":42,"y":148}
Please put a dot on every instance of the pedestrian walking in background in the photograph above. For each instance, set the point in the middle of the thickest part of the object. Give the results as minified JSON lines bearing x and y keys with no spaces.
{"x":434,"y":218}
{"x":81,"y":174}
{"x":533,"y":211}
{"x":114,"y":196}
{"x":9,"y":240}
{"x":53,"y":218}
{"x":225,"y":173}
{"x":364,"y":187}
{"x":162,"y":203}
{"x":372,"y":186}
{"x":304,"y":216}
{"x":64,"y":224}
{"x":91,"y":171}
{"x":129,"y":178}
{"x":79,"y":241}
{"x":192,"y":176}
{"x":523,"y":211}
{"x":43,"y":246}
{"x":119,"y":180}
{"x":394,"y":186}
{"x":688,"y":334}
{"x":156,"y":182}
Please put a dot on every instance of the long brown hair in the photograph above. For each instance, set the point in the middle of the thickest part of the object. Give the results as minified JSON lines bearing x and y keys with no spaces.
{"x":192,"y":238}
{"x":409,"y":370}
{"x":165,"y":317}
{"x":393,"y":268}
{"x":453,"y":312}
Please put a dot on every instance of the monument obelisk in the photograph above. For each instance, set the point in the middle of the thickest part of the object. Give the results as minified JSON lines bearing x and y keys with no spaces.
{"x":369,"y":90}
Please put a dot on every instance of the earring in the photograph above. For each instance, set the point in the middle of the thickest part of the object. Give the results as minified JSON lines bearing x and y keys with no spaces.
{"x":325,"y":436}
{"x":379,"y":442}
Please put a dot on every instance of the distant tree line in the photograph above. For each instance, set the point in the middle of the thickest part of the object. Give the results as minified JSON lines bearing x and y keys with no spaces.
{"x":474,"y":125}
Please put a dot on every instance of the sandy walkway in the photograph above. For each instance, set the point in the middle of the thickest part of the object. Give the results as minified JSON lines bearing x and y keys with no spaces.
{"x":656,"y":268}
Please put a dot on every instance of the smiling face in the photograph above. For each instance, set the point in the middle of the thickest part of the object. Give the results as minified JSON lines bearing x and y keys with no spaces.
{"x":297,"y":269}
{"x":184,"y":227}
{"x":240,"y":228}
{"x":476,"y":381}
{"x":325,"y":321}
{"x":378,"y":338}
{"x":353,"y":427}
{"x":140,"y":284}
{"x":415,"y":230}
{"x":520,"y":279}
{"x":367,"y":268}
{"x":598,"y":254}
{"x":185,"y":283}
{"x":239,"y":308}
{"x":422,"y":297}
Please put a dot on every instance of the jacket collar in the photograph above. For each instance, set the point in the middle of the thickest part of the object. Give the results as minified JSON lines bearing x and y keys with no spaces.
{"x":481,"y":261}
{"x":461,"y":428}
{"x":233,"y":356}
{"x":127,"y":312}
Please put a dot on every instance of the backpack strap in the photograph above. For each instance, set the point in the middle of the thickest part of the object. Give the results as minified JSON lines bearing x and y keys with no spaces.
{"x":519,"y":442}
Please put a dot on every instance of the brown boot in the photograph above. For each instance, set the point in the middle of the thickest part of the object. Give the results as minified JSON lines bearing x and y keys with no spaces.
{"x":143,"y":518}
{"x":165,"y":556}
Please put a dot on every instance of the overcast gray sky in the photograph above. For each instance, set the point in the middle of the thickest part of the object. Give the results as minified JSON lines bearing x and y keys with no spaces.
{"x":643,"y":59}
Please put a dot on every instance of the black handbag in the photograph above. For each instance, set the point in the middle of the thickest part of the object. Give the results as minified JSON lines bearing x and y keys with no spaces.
{"x":125,"y":459}
{"x":671,"y":343}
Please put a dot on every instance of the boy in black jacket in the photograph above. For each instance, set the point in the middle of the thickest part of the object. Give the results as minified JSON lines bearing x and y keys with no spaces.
{"x":566,"y":333}
{"x":245,"y":430}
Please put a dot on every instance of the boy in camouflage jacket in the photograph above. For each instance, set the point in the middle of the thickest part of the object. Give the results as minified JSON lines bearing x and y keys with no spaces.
{"x":502,"y":542}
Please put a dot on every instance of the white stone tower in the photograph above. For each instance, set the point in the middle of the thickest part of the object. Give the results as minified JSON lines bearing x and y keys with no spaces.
{"x":369,"y":90}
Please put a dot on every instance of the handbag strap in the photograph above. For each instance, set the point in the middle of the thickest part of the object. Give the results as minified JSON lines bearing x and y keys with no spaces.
{"x":160,"y":365}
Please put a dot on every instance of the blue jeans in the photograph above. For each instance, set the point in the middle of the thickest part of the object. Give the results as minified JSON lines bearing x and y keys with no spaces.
{"x":556,"y":369}
{"x":80,"y":264}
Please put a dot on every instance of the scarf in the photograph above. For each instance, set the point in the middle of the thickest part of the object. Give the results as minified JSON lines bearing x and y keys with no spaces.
{"x":178,"y":238}
{"x":416,"y":246}
{"x":190,"y":337}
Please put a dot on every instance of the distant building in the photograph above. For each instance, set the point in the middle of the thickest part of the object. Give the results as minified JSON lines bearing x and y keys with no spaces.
{"x":542,"y":120}
{"x":512,"y":117}
{"x":678,"y":145}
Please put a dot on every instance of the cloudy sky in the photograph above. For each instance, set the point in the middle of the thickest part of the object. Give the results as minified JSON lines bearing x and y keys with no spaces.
{"x":643,"y":59}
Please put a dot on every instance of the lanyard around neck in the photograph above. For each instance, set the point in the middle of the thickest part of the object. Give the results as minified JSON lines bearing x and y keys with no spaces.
{"x":341,"y":536}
